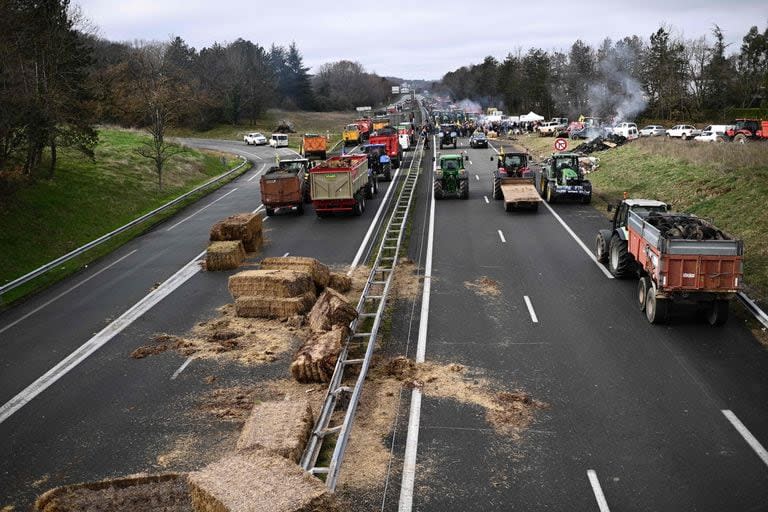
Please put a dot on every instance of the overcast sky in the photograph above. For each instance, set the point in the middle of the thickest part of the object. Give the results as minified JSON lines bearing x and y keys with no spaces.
{"x":417,"y":39}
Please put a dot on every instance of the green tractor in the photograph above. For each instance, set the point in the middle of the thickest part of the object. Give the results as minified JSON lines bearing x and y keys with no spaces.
{"x":451,"y":177}
{"x":563,"y":178}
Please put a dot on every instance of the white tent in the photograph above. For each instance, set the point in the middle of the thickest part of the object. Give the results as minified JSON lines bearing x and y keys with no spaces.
{"x":531,"y":116}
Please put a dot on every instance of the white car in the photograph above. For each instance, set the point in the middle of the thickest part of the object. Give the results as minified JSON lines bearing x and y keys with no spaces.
{"x":652,"y":130}
{"x":628,"y":130}
{"x":684,"y":131}
{"x":713,"y":133}
{"x":255,"y":139}
{"x":278,"y":140}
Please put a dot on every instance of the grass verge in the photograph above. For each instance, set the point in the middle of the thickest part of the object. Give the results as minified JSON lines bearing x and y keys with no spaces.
{"x":86,"y":199}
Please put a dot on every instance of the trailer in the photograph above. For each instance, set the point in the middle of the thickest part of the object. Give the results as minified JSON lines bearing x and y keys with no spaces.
{"x":519,"y":193}
{"x":389,"y":137}
{"x":677,"y":258}
{"x":342,"y":184}
{"x":285,"y":187}
{"x":314,"y":147}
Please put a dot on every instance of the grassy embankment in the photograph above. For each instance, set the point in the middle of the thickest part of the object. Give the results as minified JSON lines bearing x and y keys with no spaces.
{"x":323,"y":123}
{"x":726,"y":183}
{"x":87,"y":199}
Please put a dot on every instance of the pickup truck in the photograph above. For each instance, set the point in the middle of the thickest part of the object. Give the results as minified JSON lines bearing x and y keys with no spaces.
{"x":677,"y":258}
{"x":683,"y":131}
{"x":255,"y":139}
{"x":342,"y":184}
{"x":285,"y":186}
{"x":554,"y":127}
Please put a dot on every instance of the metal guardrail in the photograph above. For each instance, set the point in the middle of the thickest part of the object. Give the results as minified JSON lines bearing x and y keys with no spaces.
{"x":90,"y":245}
{"x":370,"y":307}
{"x":753,"y":308}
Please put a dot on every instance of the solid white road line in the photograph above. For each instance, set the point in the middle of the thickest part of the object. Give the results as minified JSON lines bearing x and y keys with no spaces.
{"x":534,"y":318}
{"x":747,"y":435}
{"x":599,"y":496}
{"x":260,"y":207}
{"x":257,"y":173}
{"x":578,"y":241}
{"x":182,"y":367}
{"x":102,"y":337}
{"x":412,"y":440}
{"x":501,"y":235}
{"x":201,"y":209}
{"x":5,"y":328}
{"x":486,"y":199}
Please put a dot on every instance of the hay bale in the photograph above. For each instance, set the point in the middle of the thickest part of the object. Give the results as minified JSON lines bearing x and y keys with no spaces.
{"x":257,"y":480}
{"x":316,"y":358}
{"x":224,"y":255}
{"x":168,"y":492}
{"x":270,"y":283}
{"x":246,"y":227}
{"x":331,"y":309}
{"x":319,"y":272}
{"x":281,"y":427}
{"x":340,"y":282}
{"x":273,"y":307}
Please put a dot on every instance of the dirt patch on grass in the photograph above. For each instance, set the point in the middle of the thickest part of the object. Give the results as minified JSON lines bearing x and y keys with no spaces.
{"x":484,"y":286}
{"x":248,"y":340}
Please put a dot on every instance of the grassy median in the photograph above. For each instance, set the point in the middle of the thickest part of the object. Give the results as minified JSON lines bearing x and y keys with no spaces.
{"x":727,"y":183}
{"x":48,"y":218}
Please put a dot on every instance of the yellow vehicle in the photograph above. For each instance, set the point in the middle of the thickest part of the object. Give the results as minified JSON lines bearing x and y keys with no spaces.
{"x":378,"y":124}
{"x":351,"y":135}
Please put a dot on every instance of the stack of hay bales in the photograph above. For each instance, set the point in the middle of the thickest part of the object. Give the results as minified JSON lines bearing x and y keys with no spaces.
{"x":329,"y":323}
{"x":340,"y":282}
{"x":319,"y":272}
{"x":224,"y":255}
{"x":271,"y":293}
{"x":245,"y":227}
{"x":281,"y":427}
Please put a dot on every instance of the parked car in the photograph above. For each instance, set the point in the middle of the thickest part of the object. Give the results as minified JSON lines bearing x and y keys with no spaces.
{"x":278,"y":140}
{"x":653,"y":130}
{"x":713,"y":133}
{"x":478,"y":140}
{"x":628,"y":130}
{"x":255,"y":138}
{"x":684,"y":131}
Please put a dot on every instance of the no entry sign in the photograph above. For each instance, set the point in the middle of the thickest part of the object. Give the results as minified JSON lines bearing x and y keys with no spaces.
{"x":561,"y":144}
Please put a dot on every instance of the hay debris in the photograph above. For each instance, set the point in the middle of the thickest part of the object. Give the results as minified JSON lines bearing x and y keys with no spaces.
{"x":319,"y":272}
{"x":316,"y":359}
{"x":331,"y":310}
{"x":167,"y":492}
{"x":280,"y":427}
{"x":224,"y":255}
{"x":270,"y":283}
{"x":234,"y":403}
{"x":246,"y":227}
{"x":159,"y":344}
{"x":484,"y":286}
{"x":258,"y":481}
{"x":273,"y":307}
{"x":407,"y":283}
{"x":340,"y":282}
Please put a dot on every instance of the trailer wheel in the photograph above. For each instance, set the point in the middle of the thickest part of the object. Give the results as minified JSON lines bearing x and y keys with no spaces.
{"x":507,"y":207}
{"x":718,"y":313}
{"x":464,"y":189}
{"x":643,"y":285}
{"x":438,"y":189}
{"x":601,"y":249}
{"x":656,"y":310}
{"x":269,"y":211}
{"x":368,"y":190}
{"x":619,"y":259}
{"x":497,"y":188}
{"x":300,"y":209}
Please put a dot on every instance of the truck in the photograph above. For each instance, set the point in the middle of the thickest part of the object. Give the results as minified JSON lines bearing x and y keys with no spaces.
{"x":554,"y":127}
{"x":451,"y":177}
{"x":745,"y":130}
{"x":380,"y":123}
{"x":676,"y":257}
{"x":563,"y":178}
{"x":341,"y":184}
{"x":365,"y":126}
{"x":351,"y":135}
{"x":515,"y":182}
{"x":285,"y":186}
{"x":389,"y":137}
{"x":314,"y":146}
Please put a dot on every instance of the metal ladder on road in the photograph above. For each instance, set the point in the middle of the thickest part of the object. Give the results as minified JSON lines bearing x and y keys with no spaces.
{"x":361,"y":343}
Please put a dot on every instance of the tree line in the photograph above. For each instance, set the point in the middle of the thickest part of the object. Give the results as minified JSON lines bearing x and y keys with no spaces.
{"x":58,"y":80}
{"x":665,"y":78}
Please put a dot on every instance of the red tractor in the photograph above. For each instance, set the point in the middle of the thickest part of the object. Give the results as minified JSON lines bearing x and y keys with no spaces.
{"x":745,"y":130}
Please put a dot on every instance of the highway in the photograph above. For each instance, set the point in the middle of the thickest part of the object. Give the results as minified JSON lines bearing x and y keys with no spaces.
{"x":637,"y":417}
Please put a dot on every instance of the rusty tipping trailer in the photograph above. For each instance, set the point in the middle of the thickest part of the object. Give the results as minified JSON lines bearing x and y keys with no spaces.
{"x":342,"y":184}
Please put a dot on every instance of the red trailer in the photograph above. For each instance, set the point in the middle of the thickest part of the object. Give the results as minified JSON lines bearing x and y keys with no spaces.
{"x":389,"y":137}
{"x":365,"y":126}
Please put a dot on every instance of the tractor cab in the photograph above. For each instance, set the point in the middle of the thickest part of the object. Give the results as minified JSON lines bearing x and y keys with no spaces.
{"x":513,"y":165}
{"x":562,"y":177}
{"x":291,"y":164}
{"x":447,"y":135}
{"x":451,"y":177}
{"x":379,"y":163}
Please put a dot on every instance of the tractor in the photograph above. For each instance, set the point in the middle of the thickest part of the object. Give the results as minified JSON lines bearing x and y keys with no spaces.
{"x":745,"y":130}
{"x":563,"y":178}
{"x":448,"y":135}
{"x":510,"y":165}
{"x":451,"y":177}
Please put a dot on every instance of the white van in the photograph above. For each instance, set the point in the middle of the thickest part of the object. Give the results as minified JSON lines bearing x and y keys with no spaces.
{"x":278,"y":140}
{"x":628,"y":130}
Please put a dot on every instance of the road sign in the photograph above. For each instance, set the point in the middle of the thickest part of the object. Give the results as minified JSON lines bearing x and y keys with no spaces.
{"x":561,"y":144}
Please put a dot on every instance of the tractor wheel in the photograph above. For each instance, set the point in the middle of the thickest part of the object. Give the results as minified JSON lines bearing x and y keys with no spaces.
{"x":497,"y":188}
{"x":388,"y":175}
{"x":375,"y":185}
{"x":438,"y":190}
{"x":551,"y":196}
{"x":464,"y":189}
{"x":619,"y":259}
{"x":601,"y":249}
{"x":656,"y":310}
{"x":587,"y":199}
{"x":269,"y":211}
{"x":307,"y":194}
{"x":454,"y":144}
{"x":643,"y":287}
{"x":368,"y":190}
{"x":441,"y":145}
{"x":740,"y":139}
{"x":718,"y":313}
